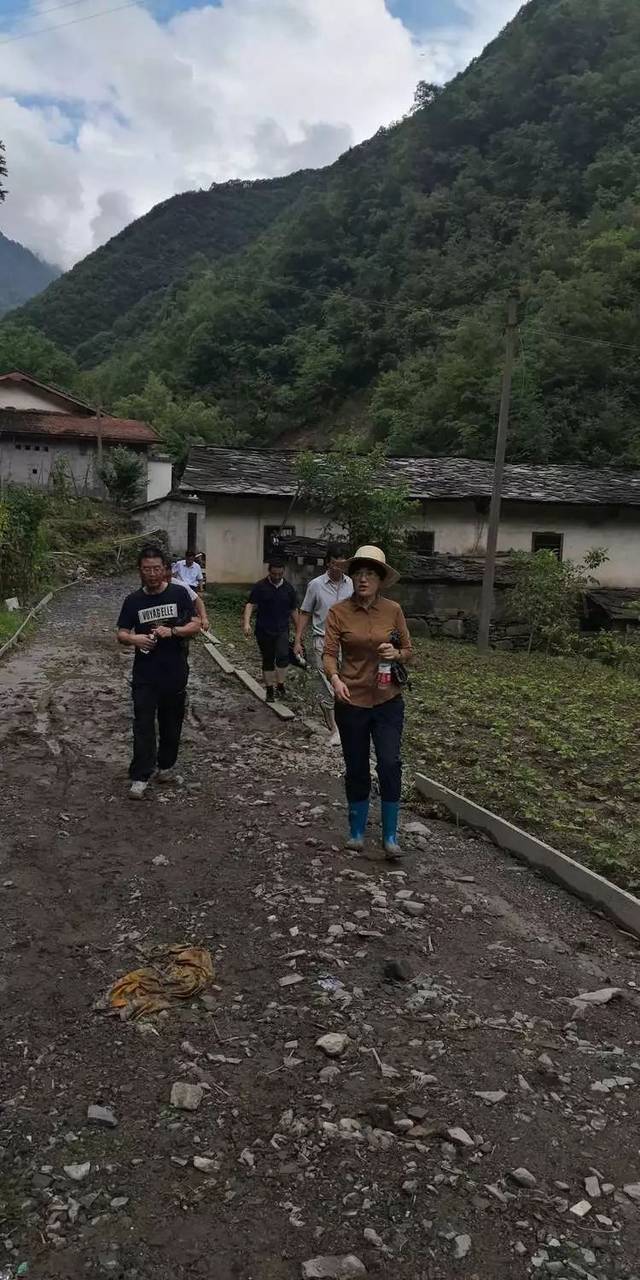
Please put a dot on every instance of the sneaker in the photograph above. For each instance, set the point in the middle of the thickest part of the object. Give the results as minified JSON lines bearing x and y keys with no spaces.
{"x":334,"y":740}
{"x":137,"y":790}
{"x":282,"y":691}
{"x":164,"y":776}
{"x":271,"y":694}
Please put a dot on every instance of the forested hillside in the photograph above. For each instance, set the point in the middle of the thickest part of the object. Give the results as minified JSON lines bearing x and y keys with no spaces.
{"x":109,"y":294}
{"x":381,"y":293}
{"x":21,"y":274}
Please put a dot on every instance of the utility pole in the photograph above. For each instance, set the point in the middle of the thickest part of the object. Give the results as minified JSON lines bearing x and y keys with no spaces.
{"x":486,"y":600}
{"x":99,"y":459}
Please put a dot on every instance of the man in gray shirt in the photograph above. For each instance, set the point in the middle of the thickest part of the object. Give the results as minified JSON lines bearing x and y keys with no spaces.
{"x":323,"y":592}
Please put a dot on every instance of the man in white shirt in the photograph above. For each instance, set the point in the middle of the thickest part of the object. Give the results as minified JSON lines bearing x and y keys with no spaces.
{"x":188,"y":572}
{"x":322,"y":593}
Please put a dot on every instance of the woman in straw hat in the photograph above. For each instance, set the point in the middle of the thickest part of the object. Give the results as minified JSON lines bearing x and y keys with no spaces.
{"x":364,"y":637}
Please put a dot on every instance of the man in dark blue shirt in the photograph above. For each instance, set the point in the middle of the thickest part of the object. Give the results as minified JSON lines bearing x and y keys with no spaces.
{"x":157,"y":621}
{"x":274,"y":602}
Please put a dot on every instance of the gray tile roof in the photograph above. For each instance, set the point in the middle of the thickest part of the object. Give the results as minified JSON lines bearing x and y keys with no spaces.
{"x":270,"y":473}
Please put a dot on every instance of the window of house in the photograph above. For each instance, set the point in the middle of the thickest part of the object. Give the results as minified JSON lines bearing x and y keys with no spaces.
{"x":192,"y":531}
{"x":272,"y":535}
{"x":18,"y":446}
{"x":34,"y":471}
{"x":547,"y":542}
{"x":45,"y":448}
{"x":422,"y":541}
{"x":26,"y":446}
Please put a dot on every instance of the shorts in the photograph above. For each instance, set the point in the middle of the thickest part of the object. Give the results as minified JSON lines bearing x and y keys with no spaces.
{"x":274,"y":650}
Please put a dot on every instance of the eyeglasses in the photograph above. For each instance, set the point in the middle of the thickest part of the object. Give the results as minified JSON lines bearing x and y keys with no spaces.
{"x":365,"y":573}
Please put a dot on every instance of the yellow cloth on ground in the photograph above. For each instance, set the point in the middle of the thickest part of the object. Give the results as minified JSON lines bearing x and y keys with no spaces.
{"x":175,"y":972}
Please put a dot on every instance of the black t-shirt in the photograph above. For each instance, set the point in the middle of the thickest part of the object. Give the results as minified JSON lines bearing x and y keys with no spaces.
{"x":166,"y":665}
{"x":275,"y":606}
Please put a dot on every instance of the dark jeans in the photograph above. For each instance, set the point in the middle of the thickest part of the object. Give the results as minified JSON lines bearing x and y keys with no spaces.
{"x":274,"y":650}
{"x":149,"y":702}
{"x":357,"y":727}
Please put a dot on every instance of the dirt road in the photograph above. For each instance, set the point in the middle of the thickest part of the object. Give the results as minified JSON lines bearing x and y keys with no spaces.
{"x":389,"y":1152}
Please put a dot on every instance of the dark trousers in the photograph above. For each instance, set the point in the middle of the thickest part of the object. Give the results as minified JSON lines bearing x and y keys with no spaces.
{"x":358,"y":726}
{"x":274,"y":650}
{"x":149,"y":702}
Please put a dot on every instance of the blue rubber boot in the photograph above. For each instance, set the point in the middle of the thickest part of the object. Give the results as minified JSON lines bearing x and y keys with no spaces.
{"x":358,"y":816}
{"x":390,"y":813}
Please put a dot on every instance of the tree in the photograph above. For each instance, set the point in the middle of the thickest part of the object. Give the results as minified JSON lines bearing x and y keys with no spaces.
{"x":3,"y":171}
{"x":22,"y":347}
{"x":547,"y":594}
{"x":350,"y":488}
{"x":122,"y":476}
{"x":179,"y":422}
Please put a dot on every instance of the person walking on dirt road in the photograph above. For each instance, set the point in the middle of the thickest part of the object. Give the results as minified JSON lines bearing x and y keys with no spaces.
{"x":157,"y":620}
{"x":322,"y":593}
{"x":366,"y":640}
{"x":274,"y":602}
{"x":188,"y":571}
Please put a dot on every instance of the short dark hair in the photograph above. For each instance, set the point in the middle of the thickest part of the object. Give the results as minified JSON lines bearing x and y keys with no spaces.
{"x":276,"y":562}
{"x":151,"y":551}
{"x":336,"y":551}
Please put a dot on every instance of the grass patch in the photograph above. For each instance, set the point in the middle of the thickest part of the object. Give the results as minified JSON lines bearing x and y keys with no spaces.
{"x":9,"y":623}
{"x":549,"y":743}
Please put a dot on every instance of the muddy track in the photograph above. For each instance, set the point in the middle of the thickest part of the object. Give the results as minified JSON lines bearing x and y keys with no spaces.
{"x":301,"y":1155}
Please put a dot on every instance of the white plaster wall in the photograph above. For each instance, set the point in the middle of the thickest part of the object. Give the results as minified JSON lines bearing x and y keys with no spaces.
{"x":172,"y":517}
{"x":18,"y":396}
{"x":459,"y":530}
{"x":30,"y":461}
{"x":159,"y":477}
{"x":235,"y":534}
{"x":235,"y":531}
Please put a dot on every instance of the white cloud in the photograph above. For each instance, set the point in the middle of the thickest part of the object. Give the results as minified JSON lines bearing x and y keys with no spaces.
{"x":104,"y":118}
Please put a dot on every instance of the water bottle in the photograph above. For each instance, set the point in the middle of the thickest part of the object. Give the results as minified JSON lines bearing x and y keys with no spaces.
{"x":384,"y":674}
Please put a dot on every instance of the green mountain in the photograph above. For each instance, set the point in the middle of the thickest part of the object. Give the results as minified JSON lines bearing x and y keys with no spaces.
{"x":22,"y":274}
{"x":378,"y":293}
{"x":112,"y":291}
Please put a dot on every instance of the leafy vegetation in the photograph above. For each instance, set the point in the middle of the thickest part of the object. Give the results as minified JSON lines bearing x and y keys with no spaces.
{"x":122,"y":476}
{"x":22,"y":544}
{"x":105,"y":299}
{"x":180,"y":421}
{"x":22,"y":274}
{"x":549,"y":743}
{"x":9,"y":623}
{"x":346,"y":489}
{"x":25,"y":348}
{"x":547,"y":595}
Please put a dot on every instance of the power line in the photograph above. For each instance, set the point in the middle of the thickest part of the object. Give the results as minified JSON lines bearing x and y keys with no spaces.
{"x":25,"y":35}
{"x":575,"y":337}
{"x":40,"y":13}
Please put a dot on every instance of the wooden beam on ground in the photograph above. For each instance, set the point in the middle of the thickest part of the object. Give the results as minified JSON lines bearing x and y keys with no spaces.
{"x":616,"y":903}
{"x":219,"y":658}
{"x":257,"y":690}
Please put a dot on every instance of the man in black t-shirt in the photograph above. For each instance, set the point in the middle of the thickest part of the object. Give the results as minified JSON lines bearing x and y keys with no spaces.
{"x":275,"y":604}
{"x":157,"y":621}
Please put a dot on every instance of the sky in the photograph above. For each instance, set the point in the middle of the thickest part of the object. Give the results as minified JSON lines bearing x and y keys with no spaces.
{"x":109,"y":106}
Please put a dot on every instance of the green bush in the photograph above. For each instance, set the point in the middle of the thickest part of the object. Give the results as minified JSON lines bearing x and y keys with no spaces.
{"x":22,"y":541}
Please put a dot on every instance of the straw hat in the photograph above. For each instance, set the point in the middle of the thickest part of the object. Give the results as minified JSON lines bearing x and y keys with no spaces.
{"x":375,"y":557}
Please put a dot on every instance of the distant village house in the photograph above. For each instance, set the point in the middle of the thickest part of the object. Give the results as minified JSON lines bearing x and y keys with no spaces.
{"x":249,"y":496}
{"x":42,"y":429}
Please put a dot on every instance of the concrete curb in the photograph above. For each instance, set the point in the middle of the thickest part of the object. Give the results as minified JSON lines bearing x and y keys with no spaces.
{"x":616,"y":903}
